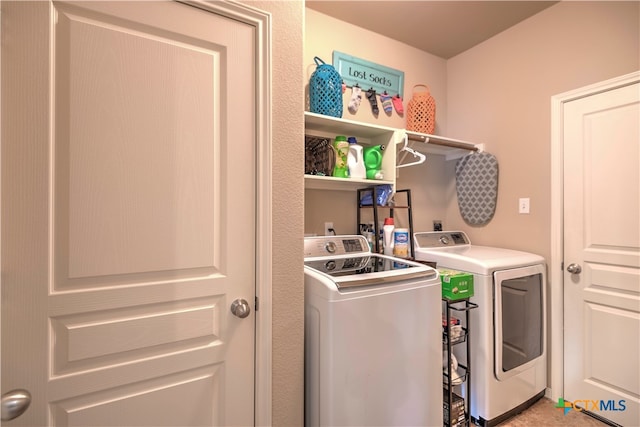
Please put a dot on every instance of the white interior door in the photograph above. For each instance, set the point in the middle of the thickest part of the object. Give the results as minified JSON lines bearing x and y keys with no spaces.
{"x":602,"y":249}
{"x":128,"y":213}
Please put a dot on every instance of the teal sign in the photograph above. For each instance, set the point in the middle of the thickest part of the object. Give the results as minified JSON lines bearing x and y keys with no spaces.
{"x":367,"y":75}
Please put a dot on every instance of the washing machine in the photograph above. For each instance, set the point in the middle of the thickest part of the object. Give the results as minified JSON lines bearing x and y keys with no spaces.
{"x":508,"y":342}
{"x":373,"y":337}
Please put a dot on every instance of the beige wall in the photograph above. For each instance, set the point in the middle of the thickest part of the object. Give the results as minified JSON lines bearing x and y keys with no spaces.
{"x":499,"y":93}
{"x":288,"y":290}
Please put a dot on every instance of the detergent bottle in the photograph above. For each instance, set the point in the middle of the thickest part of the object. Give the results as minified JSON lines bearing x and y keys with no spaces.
{"x":341,"y":146}
{"x":373,"y":161}
{"x":387,"y":236}
{"x":355,"y":160}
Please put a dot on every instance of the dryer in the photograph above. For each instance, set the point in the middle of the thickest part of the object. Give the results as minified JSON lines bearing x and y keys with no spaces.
{"x":508,"y":329}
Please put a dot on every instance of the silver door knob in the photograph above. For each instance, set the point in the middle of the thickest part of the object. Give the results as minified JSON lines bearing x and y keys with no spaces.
{"x":574,"y":268}
{"x":240,"y":308}
{"x":14,"y":403}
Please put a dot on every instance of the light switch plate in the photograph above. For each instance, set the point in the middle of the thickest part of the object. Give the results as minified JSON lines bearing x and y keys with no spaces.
{"x":523,"y":205}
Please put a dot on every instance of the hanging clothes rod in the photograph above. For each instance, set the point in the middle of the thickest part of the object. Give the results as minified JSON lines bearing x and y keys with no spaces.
{"x":452,"y":144}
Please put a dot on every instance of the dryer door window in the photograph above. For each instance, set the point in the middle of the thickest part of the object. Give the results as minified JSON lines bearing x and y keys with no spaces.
{"x":519,"y":319}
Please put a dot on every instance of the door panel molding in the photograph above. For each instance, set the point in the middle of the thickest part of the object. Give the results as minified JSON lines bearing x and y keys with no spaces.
{"x":206,"y":383}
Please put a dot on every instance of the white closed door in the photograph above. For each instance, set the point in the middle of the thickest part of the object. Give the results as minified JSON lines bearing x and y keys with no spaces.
{"x":602,"y":253}
{"x":128,"y":213}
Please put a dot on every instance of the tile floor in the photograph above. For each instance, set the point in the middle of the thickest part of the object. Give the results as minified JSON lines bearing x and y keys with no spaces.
{"x":544,"y":414}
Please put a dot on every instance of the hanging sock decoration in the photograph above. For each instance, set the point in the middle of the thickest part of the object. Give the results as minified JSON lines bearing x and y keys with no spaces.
{"x":371,"y":96}
{"x":356,"y":97}
{"x":387,"y":106}
{"x":397,"y":104}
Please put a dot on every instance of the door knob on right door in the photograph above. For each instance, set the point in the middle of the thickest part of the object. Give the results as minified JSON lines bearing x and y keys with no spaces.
{"x":574,"y":268}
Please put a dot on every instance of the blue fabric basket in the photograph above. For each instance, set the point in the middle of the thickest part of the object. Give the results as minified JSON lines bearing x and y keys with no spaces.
{"x":325,"y":90}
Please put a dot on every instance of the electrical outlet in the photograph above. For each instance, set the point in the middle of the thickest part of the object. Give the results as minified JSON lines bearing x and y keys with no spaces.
{"x":523,"y":205}
{"x":437,"y":225}
{"x":328,"y":229}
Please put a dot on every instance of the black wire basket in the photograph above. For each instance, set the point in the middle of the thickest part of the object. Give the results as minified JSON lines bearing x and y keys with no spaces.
{"x":319,"y":156}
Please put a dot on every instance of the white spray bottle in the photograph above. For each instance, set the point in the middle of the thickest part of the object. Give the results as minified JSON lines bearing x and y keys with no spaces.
{"x":387,"y":236}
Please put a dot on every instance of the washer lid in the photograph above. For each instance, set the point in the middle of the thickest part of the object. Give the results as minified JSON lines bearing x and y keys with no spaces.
{"x":372,"y":269}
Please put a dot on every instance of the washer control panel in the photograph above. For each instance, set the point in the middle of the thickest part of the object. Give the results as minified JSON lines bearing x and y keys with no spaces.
{"x":440,"y":239}
{"x":335,"y":245}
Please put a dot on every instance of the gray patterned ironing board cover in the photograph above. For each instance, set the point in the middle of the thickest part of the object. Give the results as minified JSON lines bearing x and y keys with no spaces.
{"x":477,"y":187}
